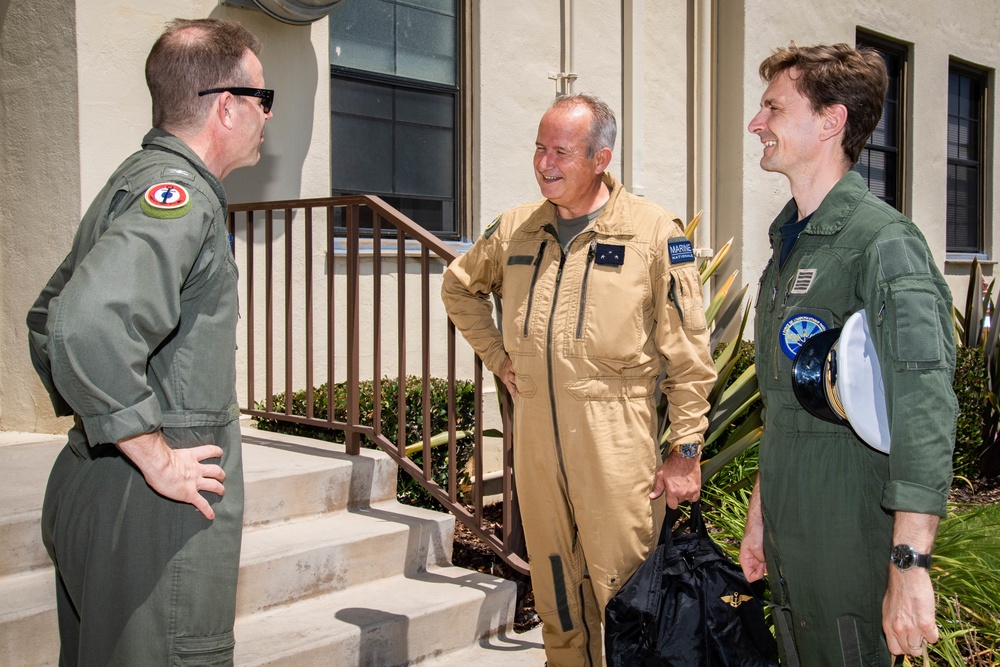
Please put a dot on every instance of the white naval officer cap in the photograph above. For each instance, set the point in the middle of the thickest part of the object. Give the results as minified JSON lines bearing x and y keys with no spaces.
{"x":836,"y":377}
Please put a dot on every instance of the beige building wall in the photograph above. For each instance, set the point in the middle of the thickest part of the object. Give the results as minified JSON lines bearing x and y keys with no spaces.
{"x":682,"y":77}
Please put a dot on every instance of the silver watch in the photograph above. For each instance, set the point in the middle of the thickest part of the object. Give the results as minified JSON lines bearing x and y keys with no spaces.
{"x":689,"y":450}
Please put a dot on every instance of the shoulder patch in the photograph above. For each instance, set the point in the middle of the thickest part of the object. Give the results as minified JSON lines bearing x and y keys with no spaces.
{"x":492,"y":227}
{"x":165,"y":201}
{"x":680,"y":250}
{"x":903,"y":256}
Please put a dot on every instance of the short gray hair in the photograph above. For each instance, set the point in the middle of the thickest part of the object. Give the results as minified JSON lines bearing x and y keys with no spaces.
{"x":603,"y":126}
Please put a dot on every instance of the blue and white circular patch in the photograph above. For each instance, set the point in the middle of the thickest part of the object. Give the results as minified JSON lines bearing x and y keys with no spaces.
{"x":797,"y":330}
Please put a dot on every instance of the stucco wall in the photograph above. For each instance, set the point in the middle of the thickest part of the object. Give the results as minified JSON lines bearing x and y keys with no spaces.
{"x":39,"y":185}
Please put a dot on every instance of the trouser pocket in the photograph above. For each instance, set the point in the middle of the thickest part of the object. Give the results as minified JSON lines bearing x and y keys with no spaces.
{"x":204,"y":651}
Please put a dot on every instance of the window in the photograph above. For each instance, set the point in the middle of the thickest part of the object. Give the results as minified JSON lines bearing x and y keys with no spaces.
{"x":966,"y":111}
{"x":881,"y":161}
{"x":394,"y":101}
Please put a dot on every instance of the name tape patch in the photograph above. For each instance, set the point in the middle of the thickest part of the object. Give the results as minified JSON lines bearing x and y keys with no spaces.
{"x":680,"y":250}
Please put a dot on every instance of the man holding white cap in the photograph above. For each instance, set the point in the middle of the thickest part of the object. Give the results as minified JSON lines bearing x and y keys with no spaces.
{"x":845,"y":531}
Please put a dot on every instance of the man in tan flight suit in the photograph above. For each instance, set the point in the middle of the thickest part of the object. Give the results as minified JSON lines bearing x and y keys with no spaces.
{"x":600,"y":296}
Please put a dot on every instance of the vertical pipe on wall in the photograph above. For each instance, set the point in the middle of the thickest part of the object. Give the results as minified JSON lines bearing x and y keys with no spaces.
{"x":703,"y":81}
{"x":565,"y":77}
{"x":633,"y":100}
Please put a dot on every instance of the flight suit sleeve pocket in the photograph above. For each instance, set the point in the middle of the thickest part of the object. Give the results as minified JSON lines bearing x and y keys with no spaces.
{"x":685,"y":296}
{"x":917,"y":332}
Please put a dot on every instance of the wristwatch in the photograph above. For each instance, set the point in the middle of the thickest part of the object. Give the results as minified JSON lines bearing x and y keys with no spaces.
{"x":689,"y":450}
{"x":904,"y":557}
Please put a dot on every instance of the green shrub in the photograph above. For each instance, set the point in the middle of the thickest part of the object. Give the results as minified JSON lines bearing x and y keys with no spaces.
{"x":971,"y":387}
{"x":408,"y":490}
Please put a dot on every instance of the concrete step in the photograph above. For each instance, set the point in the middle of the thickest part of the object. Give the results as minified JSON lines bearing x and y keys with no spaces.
{"x":28,"y":630}
{"x":394,"y":621}
{"x":501,"y":650}
{"x":285,"y":562}
{"x":25,"y":467}
{"x":287,"y":477}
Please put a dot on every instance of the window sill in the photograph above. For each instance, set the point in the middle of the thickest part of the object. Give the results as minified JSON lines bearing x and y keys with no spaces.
{"x":967,"y":258}
{"x":390,"y":247}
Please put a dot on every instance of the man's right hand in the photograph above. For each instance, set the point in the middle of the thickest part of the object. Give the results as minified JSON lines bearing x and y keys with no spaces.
{"x":752,"y":560}
{"x":507,"y":377}
{"x":177,"y":474}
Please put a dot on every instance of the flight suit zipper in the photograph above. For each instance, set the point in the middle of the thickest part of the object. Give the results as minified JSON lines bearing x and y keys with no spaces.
{"x":531,"y":287}
{"x":672,"y":295}
{"x":551,"y":372}
{"x":591,"y":253}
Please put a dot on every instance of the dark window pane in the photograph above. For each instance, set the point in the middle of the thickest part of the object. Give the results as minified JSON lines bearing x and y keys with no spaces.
{"x":414,"y":106}
{"x":361,"y":36}
{"x":360,"y":98}
{"x":361,"y":155}
{"x":424,"y":161}
{"x":965,"y":151}
{"x":425,"y":43}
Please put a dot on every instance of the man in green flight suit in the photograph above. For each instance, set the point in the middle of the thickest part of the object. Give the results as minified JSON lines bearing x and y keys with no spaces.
{"x":844,"y":531}
{"x":135,"y":336}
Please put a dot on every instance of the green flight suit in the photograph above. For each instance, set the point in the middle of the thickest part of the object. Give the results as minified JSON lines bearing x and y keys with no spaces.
{"x":828,"y":498}
{"x":136,"y":331}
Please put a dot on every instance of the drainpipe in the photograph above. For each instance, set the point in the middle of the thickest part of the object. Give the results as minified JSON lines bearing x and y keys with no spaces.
{"x":566,"y":76}
{"x":633,"y":99}
{"x":701,"y":100}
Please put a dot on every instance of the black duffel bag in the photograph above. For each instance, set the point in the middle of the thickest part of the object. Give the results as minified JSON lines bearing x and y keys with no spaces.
{"x":688,"y":605}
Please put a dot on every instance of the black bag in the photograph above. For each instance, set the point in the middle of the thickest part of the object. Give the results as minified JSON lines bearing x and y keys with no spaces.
{"x":688,"y":604}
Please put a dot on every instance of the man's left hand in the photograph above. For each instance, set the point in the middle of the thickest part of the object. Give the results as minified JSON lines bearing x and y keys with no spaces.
{"x":908,"y":612}
{"x":680,"y":478}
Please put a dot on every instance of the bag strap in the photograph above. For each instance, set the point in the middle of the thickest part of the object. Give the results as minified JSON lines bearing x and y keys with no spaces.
{"x":695,"y":523}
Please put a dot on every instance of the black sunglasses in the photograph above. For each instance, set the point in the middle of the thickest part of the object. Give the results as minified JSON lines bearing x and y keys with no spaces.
{"x":266,"y":95}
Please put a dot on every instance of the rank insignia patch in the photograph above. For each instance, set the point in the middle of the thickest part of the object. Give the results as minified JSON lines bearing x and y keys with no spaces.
{"x":680,"y":250}
{"x":609,"y":255}
{"x":803,"y":281}
{"x":166,"y":200}
{"x":797,"y":330}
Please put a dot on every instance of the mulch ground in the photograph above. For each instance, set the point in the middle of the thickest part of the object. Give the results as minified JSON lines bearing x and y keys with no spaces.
{"x":470,"y":552}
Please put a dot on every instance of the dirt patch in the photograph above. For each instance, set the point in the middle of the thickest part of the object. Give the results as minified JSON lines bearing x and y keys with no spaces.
{"x":979,"y":491}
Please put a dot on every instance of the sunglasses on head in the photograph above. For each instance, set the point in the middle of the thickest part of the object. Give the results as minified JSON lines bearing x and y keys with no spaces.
{"x":266,"y":95}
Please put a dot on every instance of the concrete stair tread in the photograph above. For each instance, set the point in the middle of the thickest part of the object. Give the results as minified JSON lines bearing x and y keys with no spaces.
{"x":395,"y":614}
{"x":278,"y":539}
{"x":288,"y":561}
{"x":288,"y":476}
{"x":502,"y":650}
{"x":27,"y":593}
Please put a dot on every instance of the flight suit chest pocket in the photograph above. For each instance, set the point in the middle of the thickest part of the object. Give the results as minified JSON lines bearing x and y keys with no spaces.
{"x":524,"y":302}
{"x":607,"y":304}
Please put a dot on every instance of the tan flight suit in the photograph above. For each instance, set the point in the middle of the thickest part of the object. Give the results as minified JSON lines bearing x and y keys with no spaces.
{"x":589,"y":332}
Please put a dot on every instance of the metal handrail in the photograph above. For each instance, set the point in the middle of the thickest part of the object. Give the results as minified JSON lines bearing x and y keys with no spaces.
{"x":296,"y":224}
